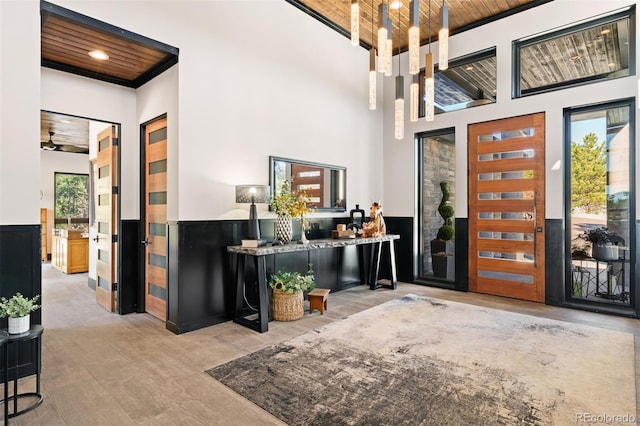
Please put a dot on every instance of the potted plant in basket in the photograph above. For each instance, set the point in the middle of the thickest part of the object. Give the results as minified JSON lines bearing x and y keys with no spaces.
{"x":18,"y":309}
{"x":602,"y":247}
{"x":287,"y":303}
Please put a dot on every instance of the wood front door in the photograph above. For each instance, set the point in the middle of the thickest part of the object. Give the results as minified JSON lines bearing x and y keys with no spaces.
{"x":106,"y":199}
{"x":506,"y":207}
{"x":155,"y":135}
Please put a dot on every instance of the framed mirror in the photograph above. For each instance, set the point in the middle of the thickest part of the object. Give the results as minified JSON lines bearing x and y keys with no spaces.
{"x":326,"y":185}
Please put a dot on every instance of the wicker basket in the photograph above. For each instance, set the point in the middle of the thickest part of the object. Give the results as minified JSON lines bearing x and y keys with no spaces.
{"x":287,"y":307}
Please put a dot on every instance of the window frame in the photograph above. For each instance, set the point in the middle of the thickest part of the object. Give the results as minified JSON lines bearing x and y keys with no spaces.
{"x":517,"y":92}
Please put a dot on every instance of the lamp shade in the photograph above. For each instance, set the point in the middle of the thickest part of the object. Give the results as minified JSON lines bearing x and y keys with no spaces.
{"x":253,"y":194}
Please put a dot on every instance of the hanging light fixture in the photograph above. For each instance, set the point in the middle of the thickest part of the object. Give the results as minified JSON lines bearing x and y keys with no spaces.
{"x":355,"y":22}
{"x":443,"y":39}
{"x":414,"y":37}
{"x":389,"y":46}
{"x":414,"y":98}
{"x":429,"y":83}
{"x":372,"y":69}
{"x":382,"y":36}
{"x":399,"y":104}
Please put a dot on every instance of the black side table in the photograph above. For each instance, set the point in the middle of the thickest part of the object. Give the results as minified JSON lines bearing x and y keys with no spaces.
{"x":35,"y":332}
{"x":4,"y":338}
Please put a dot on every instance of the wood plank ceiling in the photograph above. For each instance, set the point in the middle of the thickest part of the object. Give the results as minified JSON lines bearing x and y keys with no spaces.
{"x":463,"y":15}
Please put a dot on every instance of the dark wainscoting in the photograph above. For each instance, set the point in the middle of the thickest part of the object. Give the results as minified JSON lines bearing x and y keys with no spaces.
{"x":131,"y":279}
{"x":554,"y":292}
{"x":201,"y":283}
{"x":462,"y":254}
{"x":21,"y":271}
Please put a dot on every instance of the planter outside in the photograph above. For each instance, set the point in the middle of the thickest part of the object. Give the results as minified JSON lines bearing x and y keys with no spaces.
{"x":604,"y":252}
{"x":19,"y":325}
{"x":443,"y":259}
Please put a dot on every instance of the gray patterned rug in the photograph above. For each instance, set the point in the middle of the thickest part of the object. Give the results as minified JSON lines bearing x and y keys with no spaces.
{"x":422,"y":361}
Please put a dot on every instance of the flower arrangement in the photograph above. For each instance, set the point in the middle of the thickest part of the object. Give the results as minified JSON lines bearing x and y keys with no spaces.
{"x":290,"y":203}
{"x":293,"y":282}
{"x":18,"y":306}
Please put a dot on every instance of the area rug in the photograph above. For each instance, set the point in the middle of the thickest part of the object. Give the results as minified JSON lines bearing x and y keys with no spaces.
{"x":423,"y":361}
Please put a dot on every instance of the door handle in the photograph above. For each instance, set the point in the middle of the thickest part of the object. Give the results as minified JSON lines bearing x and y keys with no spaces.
{"x":146,"y":242}
{"x":535,"y":229}
{"x":96,"y":239}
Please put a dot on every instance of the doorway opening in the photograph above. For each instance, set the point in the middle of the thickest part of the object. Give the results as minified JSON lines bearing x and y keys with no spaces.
{"x":80,"y":204}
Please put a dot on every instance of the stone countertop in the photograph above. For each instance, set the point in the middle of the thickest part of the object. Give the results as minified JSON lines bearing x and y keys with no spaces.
{"x":311,"y":245}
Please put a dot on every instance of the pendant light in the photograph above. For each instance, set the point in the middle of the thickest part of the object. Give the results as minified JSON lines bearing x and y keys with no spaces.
{"x":355,"y":22}
{"x":399,"y":104}
{"x":372,"y":69}
{"x":414,"y":37}
{"x":388,"y":50}
{"x":429,"y":83}
{"x":443,"y":39}
{"x":414,"y":98}
{"x":382,"y":36}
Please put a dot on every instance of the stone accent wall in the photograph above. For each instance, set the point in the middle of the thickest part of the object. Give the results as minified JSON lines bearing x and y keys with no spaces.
{"x":438,"y":165}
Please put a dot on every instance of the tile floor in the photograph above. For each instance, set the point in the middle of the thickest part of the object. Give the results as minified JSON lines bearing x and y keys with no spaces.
{"x":105,"y":369}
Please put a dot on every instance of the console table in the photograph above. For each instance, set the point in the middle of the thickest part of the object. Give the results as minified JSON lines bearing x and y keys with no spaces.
{"x":239,"y":255}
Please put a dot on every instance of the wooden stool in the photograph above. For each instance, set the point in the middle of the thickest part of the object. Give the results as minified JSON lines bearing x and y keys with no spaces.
{"x":318,"y":299}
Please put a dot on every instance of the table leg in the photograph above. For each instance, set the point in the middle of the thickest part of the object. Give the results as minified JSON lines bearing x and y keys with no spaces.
{"x":263,"y":293}
{"x":6,"y":383}
{"x":376,"y":252}
{"x":392,"y":260}
{"x":238,"y":264}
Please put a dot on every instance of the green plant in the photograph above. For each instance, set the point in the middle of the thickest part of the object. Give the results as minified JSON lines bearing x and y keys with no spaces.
{"x":293,"y":282}
{"x":18,"y":306}
{"x":447,"y":231}
{"x":599,"y":236}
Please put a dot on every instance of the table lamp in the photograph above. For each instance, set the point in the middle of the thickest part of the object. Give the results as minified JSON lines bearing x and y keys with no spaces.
{"x":253,"y":194}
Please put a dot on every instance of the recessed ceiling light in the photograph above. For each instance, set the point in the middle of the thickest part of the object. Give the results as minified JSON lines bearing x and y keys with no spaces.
{"x":612,"y":64}
{"x":65,"y":121}
{"x":469,"y":68}
{"x":395,"y":5}
{"x":574,"y":58}
{"x":99,"y":54}
{"x":605,"y":31}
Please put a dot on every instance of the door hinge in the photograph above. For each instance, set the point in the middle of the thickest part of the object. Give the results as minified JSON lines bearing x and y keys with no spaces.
{"x":114,"y":238}
{"x":114,"y":287}
{"x":114,"y":190}
{"x":114,"y":141}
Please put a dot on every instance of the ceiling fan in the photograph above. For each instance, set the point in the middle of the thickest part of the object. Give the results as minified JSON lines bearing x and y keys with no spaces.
{"x":51,"y":146}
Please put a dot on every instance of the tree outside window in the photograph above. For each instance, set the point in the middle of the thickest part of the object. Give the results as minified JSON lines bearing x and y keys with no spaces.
{"x":71,"y":199}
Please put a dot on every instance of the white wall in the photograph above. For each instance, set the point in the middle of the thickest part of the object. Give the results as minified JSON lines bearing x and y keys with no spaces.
{"x":50,"y":163}
{"x":283,"y":85}
{"x":400,"y":155}
{"x":19,"y":112}
{"x":70,"y":94}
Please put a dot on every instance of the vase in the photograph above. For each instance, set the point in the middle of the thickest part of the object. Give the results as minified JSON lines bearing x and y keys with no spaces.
{"x":284,"y":228}
{"x":604,"y":252}
{"x":19,"y":325}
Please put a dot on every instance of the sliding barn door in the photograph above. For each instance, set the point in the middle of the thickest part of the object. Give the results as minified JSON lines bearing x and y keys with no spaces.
{"x":506,"y":207}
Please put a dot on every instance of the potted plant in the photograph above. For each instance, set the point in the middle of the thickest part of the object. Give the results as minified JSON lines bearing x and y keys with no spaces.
{"x":287,"y":204}
{"x":18,"y":309}
{"x":602,"y":248}
{"x":287,"y":303}
{"x":442,"y":248}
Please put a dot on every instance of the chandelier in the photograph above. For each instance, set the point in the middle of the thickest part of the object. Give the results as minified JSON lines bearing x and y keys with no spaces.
{"x":384,"y":50}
